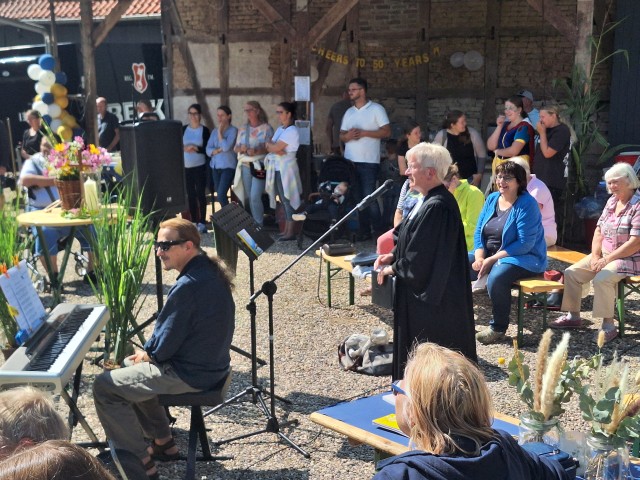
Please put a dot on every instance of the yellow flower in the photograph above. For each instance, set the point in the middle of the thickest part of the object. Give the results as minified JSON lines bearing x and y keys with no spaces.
{"x":93,"y":149}
{"x":13,"y":311}
{"x":16,"y":260}
{"x":501,"y":361}
{"x":59,"y":147}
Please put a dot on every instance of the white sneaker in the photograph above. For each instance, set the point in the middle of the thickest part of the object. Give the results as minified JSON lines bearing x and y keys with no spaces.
{"x":299,"y":217}
{"x":201,"y":228}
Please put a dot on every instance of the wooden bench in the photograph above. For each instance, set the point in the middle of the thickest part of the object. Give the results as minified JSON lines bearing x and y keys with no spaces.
{"x":336,"y":264}
{"x":534,"y":289}
{"x":626,"y":286}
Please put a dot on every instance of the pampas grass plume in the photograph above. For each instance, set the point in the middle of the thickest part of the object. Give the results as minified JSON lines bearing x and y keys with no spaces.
{"x":552,"y":375}
{"x":541,"y":364}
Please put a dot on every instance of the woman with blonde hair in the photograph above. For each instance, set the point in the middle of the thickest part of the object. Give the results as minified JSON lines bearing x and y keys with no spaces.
{"x":444,"y":406}
{"x":250,"y":176}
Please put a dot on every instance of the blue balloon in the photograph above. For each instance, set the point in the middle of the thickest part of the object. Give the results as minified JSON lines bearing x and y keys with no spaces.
{"x":48,"y":98}
{"x":47,"y":62}
{"x":61,"y":78}
{"x":47,"y":118}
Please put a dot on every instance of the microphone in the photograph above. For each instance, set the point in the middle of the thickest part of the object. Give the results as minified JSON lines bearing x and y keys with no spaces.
{"x":369,"y":199}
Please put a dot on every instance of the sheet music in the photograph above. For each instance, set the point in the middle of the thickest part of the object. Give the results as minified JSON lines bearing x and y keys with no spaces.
{"x":21,"y":294}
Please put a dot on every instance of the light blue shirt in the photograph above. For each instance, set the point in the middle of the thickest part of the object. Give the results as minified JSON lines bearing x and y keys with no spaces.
{"x":227,"y":157}
{"x":193,"y":136}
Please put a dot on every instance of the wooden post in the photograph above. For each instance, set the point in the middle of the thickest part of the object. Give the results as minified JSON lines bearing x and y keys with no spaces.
{"x":89,"y":69}
{"x":353,"y":41}
{"x":491,"y":45}
{"x":584,"y":11}
{"x":223,"y":52}
{"x":422,"y":70}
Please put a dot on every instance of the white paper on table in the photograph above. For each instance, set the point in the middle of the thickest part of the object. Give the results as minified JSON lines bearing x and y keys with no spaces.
{"x":20,"y":293}
{"x":480,"y":284}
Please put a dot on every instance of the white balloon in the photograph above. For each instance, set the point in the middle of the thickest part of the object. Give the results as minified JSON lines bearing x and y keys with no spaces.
{"x":55,"y":124}
{"x":34,"y":71}
{"x":41,"y":107}
{"x":54,"y":110}
{"x":40,"y":88}
{"x":47,"y":77}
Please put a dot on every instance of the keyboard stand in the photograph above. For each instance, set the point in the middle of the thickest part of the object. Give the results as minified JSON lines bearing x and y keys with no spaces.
{"x":76,"y":416}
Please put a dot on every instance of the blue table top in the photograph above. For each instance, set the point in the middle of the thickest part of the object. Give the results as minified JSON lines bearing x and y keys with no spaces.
{"x":361,"y":412}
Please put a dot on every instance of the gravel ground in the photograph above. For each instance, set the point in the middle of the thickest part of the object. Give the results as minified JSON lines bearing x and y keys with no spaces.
{"x":307,"y":334}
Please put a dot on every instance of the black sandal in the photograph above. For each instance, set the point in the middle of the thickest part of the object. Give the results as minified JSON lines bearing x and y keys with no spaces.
{"x":148,"y":466}
{"x":159,"y":454}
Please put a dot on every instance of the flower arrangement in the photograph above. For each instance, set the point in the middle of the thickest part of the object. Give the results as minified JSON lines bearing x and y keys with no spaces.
{"x":68,"y":160}
{"x":554,"y":379}
{"x":612,"y":401}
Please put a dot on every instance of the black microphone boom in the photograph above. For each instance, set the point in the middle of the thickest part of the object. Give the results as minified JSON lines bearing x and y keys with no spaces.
{"x":369,"y":199}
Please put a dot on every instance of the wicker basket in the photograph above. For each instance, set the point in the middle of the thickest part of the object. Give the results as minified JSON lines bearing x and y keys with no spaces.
{"x":70,"y":192}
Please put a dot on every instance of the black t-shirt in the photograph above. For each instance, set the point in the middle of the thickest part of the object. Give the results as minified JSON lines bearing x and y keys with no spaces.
{"x":492,"y":230}
{"x":31,"y":144}
{"x":462,"y":155}
{"x":551,"y":170}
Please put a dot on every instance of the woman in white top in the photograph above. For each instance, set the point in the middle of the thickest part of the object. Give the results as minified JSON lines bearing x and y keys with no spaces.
{"x":282,"y":167}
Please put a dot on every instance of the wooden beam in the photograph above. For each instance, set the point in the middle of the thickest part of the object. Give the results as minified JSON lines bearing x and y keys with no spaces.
{"x":553,"y":15}
{"x":492,"y":54}
{"x":422,"y":70}
{"x":332,"y":40}
{"x":167,"y":56}
{"x":223,"y":52}
{"x":272,"y":15}
{"x":110,"y":21}
{"x":89,"y":70}
{"x":329,"y":20}
{"x":353,"y":40}
{"x":187,"y":58}
{"x":582,"y":57}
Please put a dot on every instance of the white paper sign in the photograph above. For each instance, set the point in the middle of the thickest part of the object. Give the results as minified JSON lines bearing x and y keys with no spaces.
{"x":20,"y":293}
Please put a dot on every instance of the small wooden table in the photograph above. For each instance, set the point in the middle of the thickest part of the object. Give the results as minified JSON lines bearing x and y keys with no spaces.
{"x":52,"y":218}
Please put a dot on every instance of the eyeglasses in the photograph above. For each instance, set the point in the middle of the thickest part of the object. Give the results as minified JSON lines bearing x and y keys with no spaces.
{"x":194,"y":113}
{"x":396,"y":390}
{"x":506,"y":178}
{"x":167,"y":244}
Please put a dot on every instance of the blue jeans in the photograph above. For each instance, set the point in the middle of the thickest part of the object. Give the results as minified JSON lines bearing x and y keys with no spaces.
{"x":288,"y":209}
{"x":253,"y":190}
{"x":367,"y":177}
{"x":501,"y":277}
{"x":222,"y":180}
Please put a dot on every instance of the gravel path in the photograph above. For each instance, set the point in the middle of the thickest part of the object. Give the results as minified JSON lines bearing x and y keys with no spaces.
{"x":307,"y":334}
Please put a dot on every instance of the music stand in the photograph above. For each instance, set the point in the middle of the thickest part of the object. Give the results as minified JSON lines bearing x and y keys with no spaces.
{"x":253,"y":241}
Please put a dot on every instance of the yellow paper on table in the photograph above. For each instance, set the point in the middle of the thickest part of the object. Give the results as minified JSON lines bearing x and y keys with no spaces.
{"x":388,"y":422}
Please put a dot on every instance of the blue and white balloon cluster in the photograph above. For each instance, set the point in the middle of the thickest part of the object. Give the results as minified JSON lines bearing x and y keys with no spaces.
{"x":51,"y":99}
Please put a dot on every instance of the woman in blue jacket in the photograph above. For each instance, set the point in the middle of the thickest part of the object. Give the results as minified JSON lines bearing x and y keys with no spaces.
{"x":508,"y":245}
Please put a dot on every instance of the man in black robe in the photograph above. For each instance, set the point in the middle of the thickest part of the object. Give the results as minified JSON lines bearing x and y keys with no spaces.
{"x":433,"y":299}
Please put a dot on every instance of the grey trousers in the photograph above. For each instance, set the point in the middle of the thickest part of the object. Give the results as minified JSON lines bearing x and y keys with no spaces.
{"x":127,"y":404}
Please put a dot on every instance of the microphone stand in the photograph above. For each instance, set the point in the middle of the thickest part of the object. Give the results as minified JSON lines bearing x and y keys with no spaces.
{"x":269,"y":289}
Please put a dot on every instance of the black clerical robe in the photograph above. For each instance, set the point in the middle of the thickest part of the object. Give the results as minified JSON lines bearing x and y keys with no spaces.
{"x":433,"y":287}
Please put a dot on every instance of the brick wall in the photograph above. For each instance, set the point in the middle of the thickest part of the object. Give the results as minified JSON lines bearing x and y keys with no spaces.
{"x":389,"y":51}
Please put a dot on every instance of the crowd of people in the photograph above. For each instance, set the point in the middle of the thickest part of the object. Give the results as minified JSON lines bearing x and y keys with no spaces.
{"x":445,"y":234}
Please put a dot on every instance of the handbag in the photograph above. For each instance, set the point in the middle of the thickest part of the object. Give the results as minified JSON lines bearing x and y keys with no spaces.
{"x":369,"y":355}
{"x":383,"y":295}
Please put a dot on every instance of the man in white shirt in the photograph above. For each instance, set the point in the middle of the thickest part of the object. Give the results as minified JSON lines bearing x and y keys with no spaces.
{"x":363,"y":126}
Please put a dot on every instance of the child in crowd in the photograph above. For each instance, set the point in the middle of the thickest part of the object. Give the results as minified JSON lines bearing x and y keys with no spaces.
{"x":330,"y":201}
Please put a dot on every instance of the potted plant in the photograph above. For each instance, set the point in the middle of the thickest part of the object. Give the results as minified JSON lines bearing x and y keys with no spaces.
{"x":121,"y":247}
{"x":551,"y":386}
{"x":11,"y":244}
{"x":610,"y":403}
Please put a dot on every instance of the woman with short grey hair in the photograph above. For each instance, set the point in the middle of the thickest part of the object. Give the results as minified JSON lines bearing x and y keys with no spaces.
{"x":615,"y":254}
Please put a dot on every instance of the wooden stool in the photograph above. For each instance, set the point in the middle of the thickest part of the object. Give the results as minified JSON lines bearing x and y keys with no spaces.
{"x":196,"y":401}
{"x":625,"y":288}
{"x":535,"y":289}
